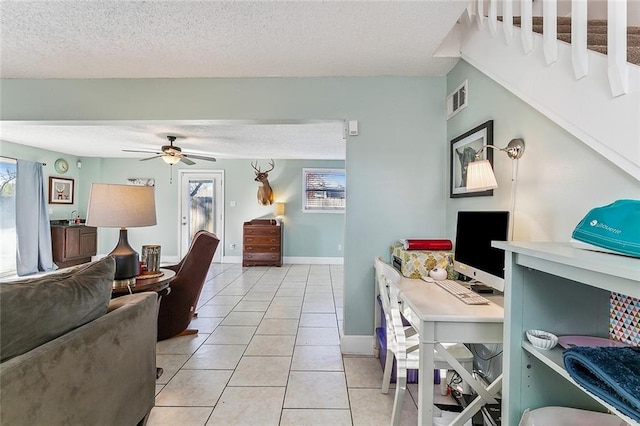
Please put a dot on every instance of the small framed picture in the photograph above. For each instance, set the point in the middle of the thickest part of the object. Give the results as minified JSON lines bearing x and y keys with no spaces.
{"x":463,"y":151}
{"x":141,"y":181}
{"x":60,"y":190}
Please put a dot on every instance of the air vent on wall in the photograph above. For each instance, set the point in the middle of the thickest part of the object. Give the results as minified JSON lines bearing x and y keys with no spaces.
{"x":457,"y":100}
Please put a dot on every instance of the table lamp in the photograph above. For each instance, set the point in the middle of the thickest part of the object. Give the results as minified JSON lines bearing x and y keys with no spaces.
{"x":279,"y":209}
{"x":122,"y":206}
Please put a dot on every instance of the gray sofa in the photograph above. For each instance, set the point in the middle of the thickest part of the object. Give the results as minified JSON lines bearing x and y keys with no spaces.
{"x":71,"y":355}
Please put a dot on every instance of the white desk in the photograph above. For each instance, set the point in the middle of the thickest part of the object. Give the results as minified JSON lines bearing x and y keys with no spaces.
{"x":440,"y":317}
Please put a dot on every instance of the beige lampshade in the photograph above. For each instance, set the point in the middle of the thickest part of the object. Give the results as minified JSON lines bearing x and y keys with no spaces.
{"x":279,"y":209}
{"x":480,"y":176}
{"x":121,"y":206}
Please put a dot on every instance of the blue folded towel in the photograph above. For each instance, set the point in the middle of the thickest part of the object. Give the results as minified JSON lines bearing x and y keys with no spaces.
{"x":612,"y":373}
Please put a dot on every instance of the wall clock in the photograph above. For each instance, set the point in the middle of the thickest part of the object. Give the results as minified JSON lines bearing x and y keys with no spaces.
{"x":61,"y":165}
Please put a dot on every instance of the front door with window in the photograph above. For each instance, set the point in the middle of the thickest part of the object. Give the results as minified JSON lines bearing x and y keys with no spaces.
{"x":201,"y":207}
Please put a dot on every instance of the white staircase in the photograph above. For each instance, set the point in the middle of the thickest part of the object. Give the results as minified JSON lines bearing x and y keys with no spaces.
{"x":593,"y":96}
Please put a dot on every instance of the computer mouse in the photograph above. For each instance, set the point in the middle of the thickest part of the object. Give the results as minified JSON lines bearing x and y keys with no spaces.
{"x":438,"y":274}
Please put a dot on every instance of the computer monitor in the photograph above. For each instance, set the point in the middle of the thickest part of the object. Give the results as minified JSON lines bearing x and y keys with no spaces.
{"x":473,"y":255}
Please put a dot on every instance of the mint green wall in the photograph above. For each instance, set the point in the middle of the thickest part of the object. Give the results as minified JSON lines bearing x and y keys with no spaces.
{"x":395,"y":168}
{"x":56,"y":211}
{"x":306,"y":235}
{"x":301,"y":231}
{"x":560,"y":178}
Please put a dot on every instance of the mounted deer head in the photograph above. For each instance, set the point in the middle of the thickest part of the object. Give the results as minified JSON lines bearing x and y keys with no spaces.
{"x":265,"y":193}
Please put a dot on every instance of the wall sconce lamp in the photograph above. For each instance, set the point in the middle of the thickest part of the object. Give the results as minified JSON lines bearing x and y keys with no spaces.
{"x":122,"y":206}
{"x":480,"y":175}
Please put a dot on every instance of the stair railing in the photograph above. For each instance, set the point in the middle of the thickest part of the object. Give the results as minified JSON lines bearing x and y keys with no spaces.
{"x":616,"y":33}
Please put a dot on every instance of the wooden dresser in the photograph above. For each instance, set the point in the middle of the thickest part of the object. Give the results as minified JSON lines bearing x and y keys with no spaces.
{"x":262,"y":243}
{"x":73,"y":245}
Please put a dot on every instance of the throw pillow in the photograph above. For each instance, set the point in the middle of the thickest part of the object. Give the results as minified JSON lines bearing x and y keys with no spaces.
{"x":37,"y":310}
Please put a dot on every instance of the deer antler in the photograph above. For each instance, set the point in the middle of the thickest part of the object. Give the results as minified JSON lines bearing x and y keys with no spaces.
{"x":272,"y":164}
{"x":257,"y":169}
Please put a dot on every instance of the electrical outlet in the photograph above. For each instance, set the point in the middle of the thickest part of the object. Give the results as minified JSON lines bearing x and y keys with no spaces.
{"x":233,"y":246}
{"x":339,"y":247}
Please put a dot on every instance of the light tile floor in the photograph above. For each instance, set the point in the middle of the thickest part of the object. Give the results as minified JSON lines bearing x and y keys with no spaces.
{"x":268,"y":353}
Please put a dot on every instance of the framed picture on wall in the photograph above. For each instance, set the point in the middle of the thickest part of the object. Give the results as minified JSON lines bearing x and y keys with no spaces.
{"x":463,"y":151}
{"x":60,"y":190}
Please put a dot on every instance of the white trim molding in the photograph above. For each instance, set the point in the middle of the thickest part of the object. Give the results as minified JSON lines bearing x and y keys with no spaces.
{"x":358,"y":345}
{"x":295,"y":260}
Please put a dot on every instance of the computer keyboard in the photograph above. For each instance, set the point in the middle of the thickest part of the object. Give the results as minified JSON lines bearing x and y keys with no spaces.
{"x":462,"y":293}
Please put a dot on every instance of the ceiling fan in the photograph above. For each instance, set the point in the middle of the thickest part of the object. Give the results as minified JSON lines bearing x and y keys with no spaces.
{"x":172,"y":154}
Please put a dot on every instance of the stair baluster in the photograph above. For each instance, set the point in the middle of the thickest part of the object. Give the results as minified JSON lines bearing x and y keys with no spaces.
{"x":507,"y":13}
{"x":550,"y":30}
{"x":617,"y":46}
{"x":579,"y":54}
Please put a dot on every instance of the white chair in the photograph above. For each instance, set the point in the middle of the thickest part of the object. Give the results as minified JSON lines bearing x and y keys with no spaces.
{"x":403,"y":341}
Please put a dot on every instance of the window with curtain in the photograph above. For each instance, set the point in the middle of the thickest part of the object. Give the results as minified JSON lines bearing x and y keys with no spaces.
{"x":324,"y":190}
{"x":7,"y":217}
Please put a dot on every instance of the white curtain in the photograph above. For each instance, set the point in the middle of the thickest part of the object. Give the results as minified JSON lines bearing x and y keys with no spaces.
{"x":33,"y":253}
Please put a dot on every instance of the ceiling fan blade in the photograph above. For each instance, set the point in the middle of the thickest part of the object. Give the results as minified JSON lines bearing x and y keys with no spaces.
{"x":148,"y":151}
{"x":186,"y":161}
{"x":200,"y":157}
{"x":151,"y":158}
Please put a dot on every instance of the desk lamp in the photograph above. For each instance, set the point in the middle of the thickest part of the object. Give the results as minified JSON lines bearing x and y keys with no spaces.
{"x":122,"y":206}
{"x":480,"y":175}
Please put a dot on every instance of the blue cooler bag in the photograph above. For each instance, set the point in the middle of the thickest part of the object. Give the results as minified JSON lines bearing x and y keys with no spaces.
{"x":615,"y":227}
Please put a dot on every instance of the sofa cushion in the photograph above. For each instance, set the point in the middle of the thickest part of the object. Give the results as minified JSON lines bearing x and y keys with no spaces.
{"x":37,"y":310}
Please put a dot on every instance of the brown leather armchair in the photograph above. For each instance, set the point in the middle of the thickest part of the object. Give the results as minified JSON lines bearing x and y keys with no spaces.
{"x":178,"y":307}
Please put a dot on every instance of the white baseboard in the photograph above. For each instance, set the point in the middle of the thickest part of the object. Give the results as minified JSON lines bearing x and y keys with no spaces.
{"x":295,"y":260}
{"x":357,"y":345}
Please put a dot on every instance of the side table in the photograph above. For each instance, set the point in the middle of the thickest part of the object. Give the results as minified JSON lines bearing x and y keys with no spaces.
{"x":158,"y":284}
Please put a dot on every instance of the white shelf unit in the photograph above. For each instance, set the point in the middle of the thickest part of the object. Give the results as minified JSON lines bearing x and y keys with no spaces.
{"x":563,"y":290}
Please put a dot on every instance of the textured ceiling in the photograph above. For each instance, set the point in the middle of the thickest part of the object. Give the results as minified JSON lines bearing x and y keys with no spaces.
{"x":111,"y":39}
{"x":182,"y":39}
{"x":322,"y":140}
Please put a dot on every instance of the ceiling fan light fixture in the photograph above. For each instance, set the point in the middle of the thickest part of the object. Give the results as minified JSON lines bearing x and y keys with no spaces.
{"x":172,"y":154}
{"x":170,"y":159}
